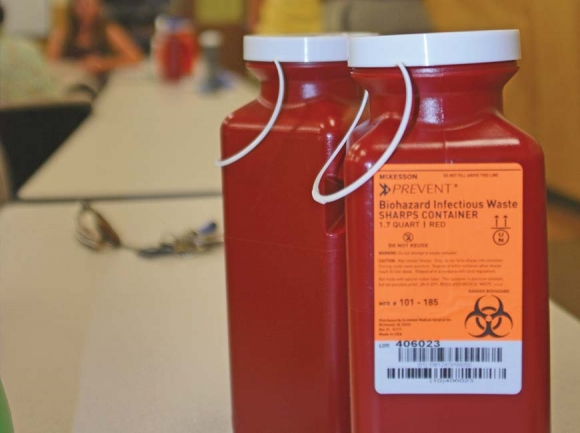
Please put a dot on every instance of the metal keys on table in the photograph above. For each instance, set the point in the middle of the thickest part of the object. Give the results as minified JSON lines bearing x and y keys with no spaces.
{"x":191,"y":242}
{"x":95,"y":232}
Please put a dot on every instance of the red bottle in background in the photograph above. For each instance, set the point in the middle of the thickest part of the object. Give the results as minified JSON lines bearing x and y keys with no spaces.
{"x":173,"y":53}
{"x":174,"y":47}
{"x":447,"y":268}
{"x":285,"y":253}
{"x":188,"y":39}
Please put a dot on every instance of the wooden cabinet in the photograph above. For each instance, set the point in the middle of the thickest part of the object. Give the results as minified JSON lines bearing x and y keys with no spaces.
{"x":544,"y":98}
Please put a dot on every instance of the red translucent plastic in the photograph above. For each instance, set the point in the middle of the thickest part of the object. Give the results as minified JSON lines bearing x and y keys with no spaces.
{"x":190,"y":51}
{"x":463,"y":105}
{"x":172,"y":53}
{"x":176,"y":54}
{"x":285,"y":254}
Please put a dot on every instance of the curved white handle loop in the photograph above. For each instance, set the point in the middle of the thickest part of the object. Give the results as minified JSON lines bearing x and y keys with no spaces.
{"x":267,"y":128}
{"x":323,"y":199}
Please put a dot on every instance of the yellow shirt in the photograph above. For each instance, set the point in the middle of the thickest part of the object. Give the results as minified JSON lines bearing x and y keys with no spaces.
{"x":290,"y":16}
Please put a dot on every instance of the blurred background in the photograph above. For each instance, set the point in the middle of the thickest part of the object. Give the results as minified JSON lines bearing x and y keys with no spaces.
{"x":542,"y":99}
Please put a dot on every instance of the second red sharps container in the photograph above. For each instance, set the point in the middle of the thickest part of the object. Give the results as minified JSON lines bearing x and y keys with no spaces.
{"x":285,"y":253}
{"x":448,"y":293}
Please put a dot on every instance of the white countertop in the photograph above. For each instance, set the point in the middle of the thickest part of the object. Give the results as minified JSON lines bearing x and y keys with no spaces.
{"x":144,"y":138}
{"x":112,"y":342}
{"x":109,"y":342}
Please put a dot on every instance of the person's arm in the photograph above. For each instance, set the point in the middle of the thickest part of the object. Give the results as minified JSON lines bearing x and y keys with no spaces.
{"x":56,"y":42}
{"x":125,"y":52}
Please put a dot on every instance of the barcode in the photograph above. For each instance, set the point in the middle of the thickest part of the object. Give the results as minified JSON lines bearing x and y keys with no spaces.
{"x":451,"y":354}
{"x":447,"y":373}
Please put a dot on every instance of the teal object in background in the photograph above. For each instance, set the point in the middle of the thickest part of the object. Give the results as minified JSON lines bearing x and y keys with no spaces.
{"x":5,"y":418}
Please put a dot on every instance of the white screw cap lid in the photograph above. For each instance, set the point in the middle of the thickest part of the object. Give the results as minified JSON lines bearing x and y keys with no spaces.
{"x":435,"y":49}
{"x":297,"y":48}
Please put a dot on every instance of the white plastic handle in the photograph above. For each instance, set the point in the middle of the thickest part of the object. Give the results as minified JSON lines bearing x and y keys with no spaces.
{"x":323,"y":199}
{"x":267,"y":128}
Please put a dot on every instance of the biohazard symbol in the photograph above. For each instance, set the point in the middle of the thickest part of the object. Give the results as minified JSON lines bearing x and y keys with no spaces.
{"x":489,"y":318}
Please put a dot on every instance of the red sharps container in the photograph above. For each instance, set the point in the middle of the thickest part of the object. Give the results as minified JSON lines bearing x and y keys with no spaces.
{"x":285,"y":253}
{"x":447,"y":273}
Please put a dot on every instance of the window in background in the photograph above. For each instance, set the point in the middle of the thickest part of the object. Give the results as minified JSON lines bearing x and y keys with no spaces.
{"x":28,"y":17}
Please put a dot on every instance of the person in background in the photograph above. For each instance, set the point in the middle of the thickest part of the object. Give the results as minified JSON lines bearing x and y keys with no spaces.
{"x":24,"y":74}
{"x":97,"y":44}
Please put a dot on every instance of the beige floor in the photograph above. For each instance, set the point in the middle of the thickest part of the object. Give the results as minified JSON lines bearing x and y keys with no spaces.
{"x":564,"y":238}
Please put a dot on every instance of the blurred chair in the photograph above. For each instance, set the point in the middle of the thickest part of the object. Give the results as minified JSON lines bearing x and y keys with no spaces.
{"x":5,"y":187}
{"x":32,"y":133}
{"x":378,"y":16}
